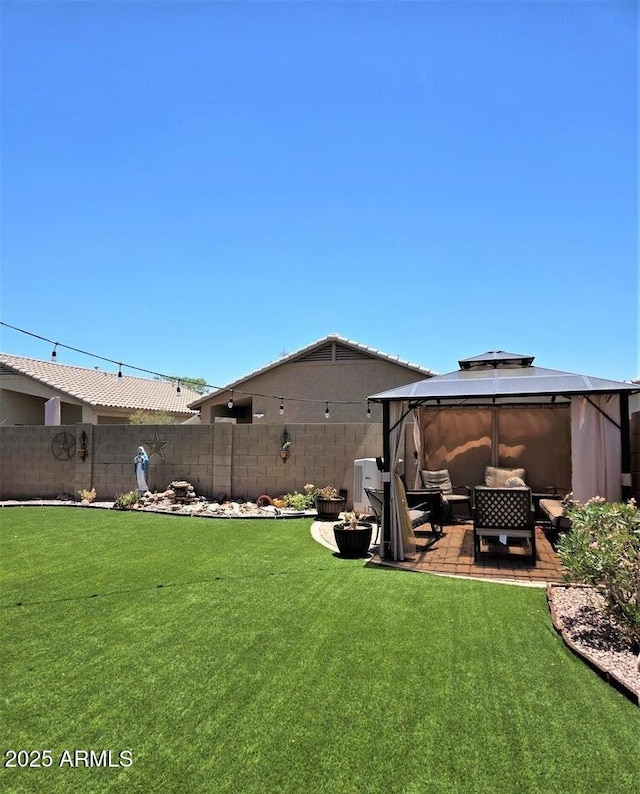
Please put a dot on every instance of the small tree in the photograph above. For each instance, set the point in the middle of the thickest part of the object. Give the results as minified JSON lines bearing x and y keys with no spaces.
{"x":150,"y":418}
{"x":602,"y":549}
{"x":199,"y":385}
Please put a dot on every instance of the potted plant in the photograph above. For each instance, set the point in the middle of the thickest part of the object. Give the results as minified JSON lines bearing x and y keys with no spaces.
{"x":353,"y":536}
{"x":329,"y":504}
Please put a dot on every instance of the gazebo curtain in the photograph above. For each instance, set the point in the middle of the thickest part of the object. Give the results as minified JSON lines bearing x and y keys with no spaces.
{"x":596,"y":447}
{"x":459,"y":440}
{"x":466,"y":440}
{"x":417,"y":443}
{"x":537,"y":439}
{"x":401,"y":531}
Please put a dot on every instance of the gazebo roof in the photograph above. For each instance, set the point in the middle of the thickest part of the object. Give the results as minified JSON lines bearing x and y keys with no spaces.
{"x":498,"y":376}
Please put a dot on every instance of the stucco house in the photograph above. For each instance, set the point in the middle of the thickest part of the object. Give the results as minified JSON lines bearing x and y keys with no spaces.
{"x":333,"y":375}
{"x":34,"y":392}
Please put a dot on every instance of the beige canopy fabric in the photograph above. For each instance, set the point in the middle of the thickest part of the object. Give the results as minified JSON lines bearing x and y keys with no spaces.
{"x":402,"y":520}
{"x":595,"y":441}
{"x":401,"y":531}
{"x":467,"y":440}
{"x":538,"y":439}
{"x":457,"y":439}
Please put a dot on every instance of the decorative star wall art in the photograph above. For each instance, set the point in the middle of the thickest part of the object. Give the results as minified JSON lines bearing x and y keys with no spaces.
{"x":155,"y":446}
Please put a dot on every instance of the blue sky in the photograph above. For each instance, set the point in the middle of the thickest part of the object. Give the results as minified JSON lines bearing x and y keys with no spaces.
{"x":196,"y":187}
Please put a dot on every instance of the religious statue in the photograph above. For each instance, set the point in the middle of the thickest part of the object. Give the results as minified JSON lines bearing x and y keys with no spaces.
{"x":141,"y":466}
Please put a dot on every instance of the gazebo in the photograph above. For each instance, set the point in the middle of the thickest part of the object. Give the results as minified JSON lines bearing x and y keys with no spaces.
{"x":568,"y":431}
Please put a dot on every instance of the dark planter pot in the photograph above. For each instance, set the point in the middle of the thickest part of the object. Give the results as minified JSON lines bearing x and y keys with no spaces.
{"x":353,"y":542}
{"x":330,"y":509}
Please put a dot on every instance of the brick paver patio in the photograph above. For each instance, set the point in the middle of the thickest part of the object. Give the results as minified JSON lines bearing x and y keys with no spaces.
{"x":453,"y":554}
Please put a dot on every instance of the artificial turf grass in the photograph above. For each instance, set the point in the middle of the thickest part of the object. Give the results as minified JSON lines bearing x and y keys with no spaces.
{"x":267,"y":664}
{"x":64,"y":553}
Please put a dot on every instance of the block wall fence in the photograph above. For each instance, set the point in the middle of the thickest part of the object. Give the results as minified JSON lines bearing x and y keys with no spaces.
{"x":240,"y":461}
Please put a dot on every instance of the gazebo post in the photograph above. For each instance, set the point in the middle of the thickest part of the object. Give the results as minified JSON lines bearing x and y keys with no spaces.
{"x":385,"y":534}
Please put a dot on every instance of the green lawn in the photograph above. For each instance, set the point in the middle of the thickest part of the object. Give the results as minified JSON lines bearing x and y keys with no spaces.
{"x":240,"y":656}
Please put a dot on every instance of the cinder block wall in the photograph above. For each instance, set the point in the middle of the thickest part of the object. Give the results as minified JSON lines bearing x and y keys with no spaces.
{"x":177,"y":452}
{"x":235,"y":460}
{"x":28,"y":467}
{"x":319,"y":454}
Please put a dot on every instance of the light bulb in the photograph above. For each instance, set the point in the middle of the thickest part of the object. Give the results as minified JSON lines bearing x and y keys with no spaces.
{"x":326,"y":411}
{"x":281,"y":406}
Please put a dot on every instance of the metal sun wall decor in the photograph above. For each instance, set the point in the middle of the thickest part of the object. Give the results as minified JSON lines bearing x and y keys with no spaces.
{"x":63,"y":446}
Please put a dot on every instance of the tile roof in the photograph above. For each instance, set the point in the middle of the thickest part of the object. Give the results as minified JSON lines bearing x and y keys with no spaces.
{"x":303,"y":351}
{"x":99,"y":388}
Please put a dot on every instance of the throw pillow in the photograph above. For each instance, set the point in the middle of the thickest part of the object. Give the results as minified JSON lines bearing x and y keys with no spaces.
{"x":495,"y":477}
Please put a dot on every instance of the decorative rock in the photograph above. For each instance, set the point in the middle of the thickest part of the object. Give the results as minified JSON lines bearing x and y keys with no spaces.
{"x":181,"y":497}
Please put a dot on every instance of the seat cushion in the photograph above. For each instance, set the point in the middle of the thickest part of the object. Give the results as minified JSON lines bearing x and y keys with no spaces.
{"x":436,"y":479}
{"x":555,"y":512}
{"x":495,"y":477}
{"x":456,"y":498}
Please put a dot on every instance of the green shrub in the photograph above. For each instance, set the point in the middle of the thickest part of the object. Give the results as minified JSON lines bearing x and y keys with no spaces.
{"x":298,"y":501}
{"x":602,"y":549}
{"x":123,"y":501}
{"x":150,"y":418}
{"x":301,"y":501}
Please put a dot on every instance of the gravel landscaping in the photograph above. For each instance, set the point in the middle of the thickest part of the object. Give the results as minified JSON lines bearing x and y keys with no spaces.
{"x":579,"y":614}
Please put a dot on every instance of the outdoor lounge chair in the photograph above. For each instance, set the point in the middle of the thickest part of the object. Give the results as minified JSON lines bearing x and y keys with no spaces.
{"x":419,"y":515}
{"x":503,"y":513}
{"x":451,"y":495}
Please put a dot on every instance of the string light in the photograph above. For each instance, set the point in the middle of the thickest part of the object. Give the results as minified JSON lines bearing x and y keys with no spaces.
{"x":368,"y":410}
{"x":162,"y":376}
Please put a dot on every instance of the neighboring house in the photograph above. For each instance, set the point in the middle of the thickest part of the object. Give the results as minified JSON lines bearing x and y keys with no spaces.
{"x":634,"y":400}
{"x":333,"y":372}
{"x":85,"y":395}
